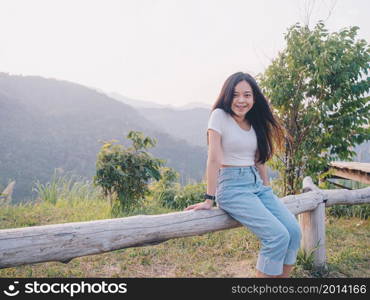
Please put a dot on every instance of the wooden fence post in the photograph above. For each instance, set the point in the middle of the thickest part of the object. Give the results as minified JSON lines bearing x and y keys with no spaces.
{"x":313,"y":227}
{"x":6,"y":195}
{"x":63,"y":242}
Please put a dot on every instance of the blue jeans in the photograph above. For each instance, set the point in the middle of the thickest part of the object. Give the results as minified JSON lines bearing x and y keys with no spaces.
{"x":241,"y":194}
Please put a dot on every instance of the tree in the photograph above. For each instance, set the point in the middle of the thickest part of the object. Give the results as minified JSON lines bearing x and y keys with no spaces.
{"x":123,"y":173}
{"x":318,"y":86}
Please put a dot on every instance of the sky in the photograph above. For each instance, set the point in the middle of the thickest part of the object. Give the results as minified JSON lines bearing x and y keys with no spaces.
{"x":164,"y":51}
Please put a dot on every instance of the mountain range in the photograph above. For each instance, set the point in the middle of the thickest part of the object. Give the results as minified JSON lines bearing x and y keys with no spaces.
{"x":47,"y":124}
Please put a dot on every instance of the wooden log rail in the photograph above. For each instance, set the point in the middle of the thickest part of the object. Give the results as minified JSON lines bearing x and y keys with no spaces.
{"x":63,"y":242}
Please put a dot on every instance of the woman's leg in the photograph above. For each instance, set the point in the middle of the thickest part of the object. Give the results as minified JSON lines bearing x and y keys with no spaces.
{"x":260,"y":274}
{"x":282,"y":213}
{"x":286,"y":271}
{"x":244,"y":206}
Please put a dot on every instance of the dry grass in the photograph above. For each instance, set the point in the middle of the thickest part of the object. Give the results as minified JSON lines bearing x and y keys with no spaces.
{"x":227,"y":253}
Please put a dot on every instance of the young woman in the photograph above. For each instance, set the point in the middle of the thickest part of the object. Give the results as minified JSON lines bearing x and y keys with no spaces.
{"x":242,"y":135}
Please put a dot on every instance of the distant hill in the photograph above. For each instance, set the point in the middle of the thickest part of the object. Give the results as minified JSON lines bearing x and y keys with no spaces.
{"x":148,"y":104}
{"x":188,"y":122}
{"x":195,"y":105}
{"x":134,"y":102}
{"x":49,"y":123}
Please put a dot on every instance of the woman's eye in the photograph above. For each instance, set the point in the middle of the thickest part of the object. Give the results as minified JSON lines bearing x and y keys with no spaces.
{"x":247,"y":96}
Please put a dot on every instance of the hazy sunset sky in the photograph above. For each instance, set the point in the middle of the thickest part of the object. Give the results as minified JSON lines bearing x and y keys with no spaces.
{"x":165,"y":51}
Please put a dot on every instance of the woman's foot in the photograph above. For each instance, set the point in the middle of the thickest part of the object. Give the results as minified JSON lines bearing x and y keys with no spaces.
{"x":286,"y":271}
{"x":260,"y":274}
{"x":285,"y":274}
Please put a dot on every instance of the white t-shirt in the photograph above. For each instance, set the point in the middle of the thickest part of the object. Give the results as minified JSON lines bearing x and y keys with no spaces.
{"x":239,"y":145}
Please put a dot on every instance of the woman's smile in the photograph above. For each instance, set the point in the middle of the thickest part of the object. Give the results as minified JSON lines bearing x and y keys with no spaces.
{"x":241,"y":107}
{"x":242,"y":98}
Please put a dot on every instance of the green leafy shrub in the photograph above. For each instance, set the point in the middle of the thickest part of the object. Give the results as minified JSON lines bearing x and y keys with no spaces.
{"x":188,"y":195}
{"x":165,"y":190}
{"x":170,"y":194}
{"x":123,"y":173}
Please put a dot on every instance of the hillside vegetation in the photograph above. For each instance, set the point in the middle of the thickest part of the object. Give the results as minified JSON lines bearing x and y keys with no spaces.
{"x":49,"y":124}
{"x":226,"y":253}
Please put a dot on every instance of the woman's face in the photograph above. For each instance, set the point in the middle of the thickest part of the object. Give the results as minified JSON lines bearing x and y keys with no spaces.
{"x":242,"y":99}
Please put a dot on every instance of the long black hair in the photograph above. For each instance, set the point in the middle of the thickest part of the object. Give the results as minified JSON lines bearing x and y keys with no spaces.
{"x":270,"y":132}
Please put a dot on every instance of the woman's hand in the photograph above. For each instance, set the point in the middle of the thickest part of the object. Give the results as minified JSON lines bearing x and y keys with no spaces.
{"x":201,"y":205}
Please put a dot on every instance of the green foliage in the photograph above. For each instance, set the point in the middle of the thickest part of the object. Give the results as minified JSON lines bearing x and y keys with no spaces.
{"x":170,"y":194}
{"x":67,"y":187}
{"x":48,"y":192}
{"x":164,"y":190}
{"x":318,"y":86}
{"x":225,"y":253}
{"x":306,"y":258}
{"x":189,"y":194}
{"x":361,"y":211}
{"x":123,"y":173}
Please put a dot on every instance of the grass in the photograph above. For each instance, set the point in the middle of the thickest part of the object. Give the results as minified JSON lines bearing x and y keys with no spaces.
{"x":226,"y":253}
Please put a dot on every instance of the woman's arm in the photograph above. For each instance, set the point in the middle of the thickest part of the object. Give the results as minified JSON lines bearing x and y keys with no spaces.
{"x":214,"y":162}
{"x":262,"y":170}
{"x":212,"y":173}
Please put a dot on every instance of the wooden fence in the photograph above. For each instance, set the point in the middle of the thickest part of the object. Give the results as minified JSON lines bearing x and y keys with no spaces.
{"x":63,"y":242}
